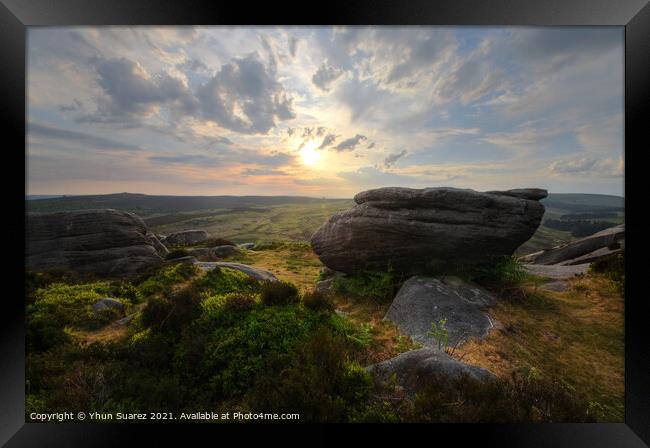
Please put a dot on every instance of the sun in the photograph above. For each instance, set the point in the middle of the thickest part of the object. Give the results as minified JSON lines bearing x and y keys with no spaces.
{"x":309,"y":154}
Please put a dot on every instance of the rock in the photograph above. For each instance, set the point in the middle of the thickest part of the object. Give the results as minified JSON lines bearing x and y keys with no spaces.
{"x":412,"y":369}
{"x":201,"y":253}
{"x":107,"y":303}
{"x":326,"y":272}
{"x":186,"y":237}
{"x":108,"y":243}
{"x":324,"y":286}
{"x":579,"y":248}
{"x":534,"y":194}
{"x":161,"y":249}
{"x":255,"y":273}
{"x":247,"y":246}
{"x":124,"y":321}
{"x":598,"y":254}
{"x":557,"y":271}
{"x":188,"y":259}
{"x":410,"y":230}
{"x":424,"y":300}
{"x":225,"y":250}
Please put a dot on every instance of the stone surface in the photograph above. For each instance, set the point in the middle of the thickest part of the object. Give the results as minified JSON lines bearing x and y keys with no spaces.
{"x":255,"y":273}
{"x":424,"y":300}
{"x":107,"y":303}
{"x":226,"y":250}
{"x":104,"y":242}
{"x":409,"y":230}
{"x":188,"y":259}
{"x":247,"y":246}
{"x":579,"y":248}
{"x":413,"y":368}
{"x":592,"y":256}
{"x":557,"y":271}
{"x":161,"y":249}
{"x":201,"y":253}
{"x":124,"y":321}
{"x":186,"y":237}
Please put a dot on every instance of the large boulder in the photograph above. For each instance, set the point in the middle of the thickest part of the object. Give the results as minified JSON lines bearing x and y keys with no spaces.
{"x":103,"y":242}
{"x":411,"y":230}
{"x":160,"y":247}
{"x":225,"y":250}
{"x":584,"y":250}
{"x":412,"y":369}
{"x":422,"y":301}
{"x":186,"y":237}
{"x":106,"y":304}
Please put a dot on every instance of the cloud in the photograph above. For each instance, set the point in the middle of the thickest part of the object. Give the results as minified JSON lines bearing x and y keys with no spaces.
{"x":394,"y":157}
{"x":588,"y":166}
{"x":293,"y":45}
{"x":87,"y":141}
{"x":130,"y":93}
{"x":263,"y":172}
{"x":185,"y":159}
{"x":245,"y":97}
{"x":325,"y":76}
{"x":351,"y":143}
{"x":328,"y":141}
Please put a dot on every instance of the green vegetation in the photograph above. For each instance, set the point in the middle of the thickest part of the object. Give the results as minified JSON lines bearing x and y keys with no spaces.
{"x":378,"y":286}
{"x":167,"y":276}
{"x":440,"y":334}
{"x":613,"y":268}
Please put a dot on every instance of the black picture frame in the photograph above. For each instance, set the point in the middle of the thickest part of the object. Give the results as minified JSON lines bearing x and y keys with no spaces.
{"x":16,"y":15}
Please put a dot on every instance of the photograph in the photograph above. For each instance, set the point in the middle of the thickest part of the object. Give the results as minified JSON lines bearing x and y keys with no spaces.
{"x":315,"y":224}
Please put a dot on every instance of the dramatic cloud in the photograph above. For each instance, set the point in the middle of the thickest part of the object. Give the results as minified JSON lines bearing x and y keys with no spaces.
{"x":351,"y":143}
{"x":325,"y":76}
{"x":244,"y":97}
{"x":328,"y":141}
{"x":394,"y":157}
{"x":323,"y":110}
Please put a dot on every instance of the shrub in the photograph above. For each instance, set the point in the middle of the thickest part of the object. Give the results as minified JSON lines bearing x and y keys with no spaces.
{"x":171,"y":311}
{"x":522,"y":398}
{"x":380,"y":286}
{"x":317,"y":301}
{"x":237,"y":303}
{"x":162,"y":281}
{"x":315,"y":380}
{"x":359,"y":335}
{"x":236,"y":353}
{"x":505,"y":272}
{"x":613,"y":268}
{"x":275,"y":293}
{"x":226,"y":280}
{"x":440,"y":334}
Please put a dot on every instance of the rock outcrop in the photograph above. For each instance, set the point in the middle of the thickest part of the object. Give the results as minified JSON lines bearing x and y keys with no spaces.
{"x":410,"y":230}
{"x":107,"y":303}
{"x":412,"y":369}
{"x":254,"y":273}
{"x":186,"y":237}
{"x":160,"y":247}
{"x":103,"y":242}
{"x":422,"y":301}
{"x":584,"y":250}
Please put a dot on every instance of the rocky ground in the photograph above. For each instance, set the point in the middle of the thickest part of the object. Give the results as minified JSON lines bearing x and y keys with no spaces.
{"x":557,"y":321}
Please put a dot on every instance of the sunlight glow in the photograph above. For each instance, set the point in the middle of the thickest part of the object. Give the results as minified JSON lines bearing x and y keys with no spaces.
{"x":309,"y":154}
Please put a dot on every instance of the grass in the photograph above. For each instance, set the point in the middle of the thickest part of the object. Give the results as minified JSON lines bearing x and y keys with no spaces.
{"x":577,"y":336}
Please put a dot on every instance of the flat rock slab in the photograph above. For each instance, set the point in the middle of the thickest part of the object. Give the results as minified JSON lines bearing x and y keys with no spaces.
{"x":255,"y":273}
{"x":557,"y":271}
{"x":422,"y":301}
{"x":412,"y":369}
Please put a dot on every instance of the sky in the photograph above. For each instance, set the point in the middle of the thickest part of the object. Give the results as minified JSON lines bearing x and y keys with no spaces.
{"x":323,"y":111}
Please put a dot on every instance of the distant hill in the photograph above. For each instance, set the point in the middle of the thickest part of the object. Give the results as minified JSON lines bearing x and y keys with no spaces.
{"x":148,"y":204}
{"x":577,"y":202}
{"x":31,"y":197}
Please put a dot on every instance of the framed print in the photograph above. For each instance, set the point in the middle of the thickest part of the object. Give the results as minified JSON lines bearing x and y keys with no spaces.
{"x":376,"y":219}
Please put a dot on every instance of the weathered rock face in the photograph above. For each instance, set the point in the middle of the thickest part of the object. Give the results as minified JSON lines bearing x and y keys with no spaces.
{"x":186,"y":237}
{"x":584,"y":250}
{"x":225,"y":250}
{"x":423,"y":300}
{"x":160,"y":247}
{"x":409,"y":230}
{"x":107,"y":303}
{"x":413,"y":368}
{"x":104,"y":242}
